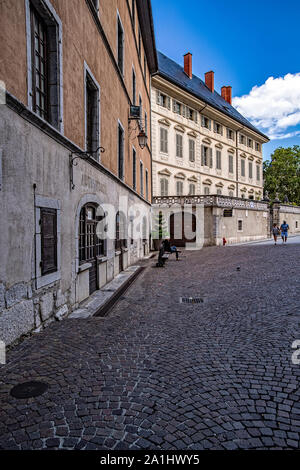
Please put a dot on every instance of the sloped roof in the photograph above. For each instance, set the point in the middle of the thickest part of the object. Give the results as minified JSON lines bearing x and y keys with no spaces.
{"x":174,"y":73}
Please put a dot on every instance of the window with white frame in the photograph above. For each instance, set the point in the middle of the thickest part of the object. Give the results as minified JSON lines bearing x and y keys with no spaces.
{"x":219,"y":192}
{"x":230,"y":134}
{"x":218,"y":160}
{"x":231,"y":194}
{"x":230,"y":163}
{"x":242,"y":139}
{"x":258,"y":172}
{"x":179,"y":188}
{"x":218,"y":128}
{"x":257,"y":146}
{"x":177,"y":107}
{"x":120,"y":45}
{"x":206,"y":156}
{"x":163,"y":140}
{"x":164,"y":187}
{"x":163,"y":100}
{"x":192,"y":150}
{"x":179,"y":146}
{"x":250,"y":143}
{"x":206,"y":190}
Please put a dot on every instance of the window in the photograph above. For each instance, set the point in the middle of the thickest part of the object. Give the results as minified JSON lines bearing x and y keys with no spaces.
{"x":206,"y":156}
{"x":48,"y":241}
{"x":164,"y":187}
{"x":146,"y":124}
{"x":120,"y":151}
{"x":44,"y":50}
{"x":179,"y":188}
{"x":179,"y":146}
{"x":205,"y":122}
{"x":142,"y":178}
{"x":134,"y":168}
{"x":141,"y":110}
{"x":177,"y":107}
{"x":121,"y":236}
{"x":218,"y":159}
{"x":230,"y":134}
{"x":163,"y":100}
{"x":95,"y":3}
{"x":206,"y":190}
{"x":218,"y":129}
{"x":147,"y":185}
{"x":230,"y":163}
{"x":257,"y":146}
{"x":251,"y":197}
{"x":250,"y":170}
{"x":139,"y":43}
{"x":133,"y":12}
{"x":240,"y":225}
{"x":243,"y":172}
{"x":133,"y":87}
{"x":192,"y":189}
{"x":258,"y":172}
{"x":296,"y":224}
{"x":90,"y":244}
{"x":91,"y":114}
{"x":163,"y":140}
{"x":231,"y":194}
{"x":192,"y":150}
{"x":145,"y":66}
{"x":219,"y":192}
{"x":120,"y":46}
{"x":242,"y":139}
{"x":250,"y":143}
{"x":192,"y":115}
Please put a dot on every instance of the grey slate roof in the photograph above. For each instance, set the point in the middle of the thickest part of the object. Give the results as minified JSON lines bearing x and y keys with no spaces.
{"x":174,"y":73}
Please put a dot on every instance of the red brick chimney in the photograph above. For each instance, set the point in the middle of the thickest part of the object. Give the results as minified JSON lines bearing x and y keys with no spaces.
{"x":210,"y":80}
{"x":226,"y":93}
{"x":188,"y":64}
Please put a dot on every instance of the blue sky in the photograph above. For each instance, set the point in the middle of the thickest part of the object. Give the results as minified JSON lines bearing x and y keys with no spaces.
{"x":246,"y":43}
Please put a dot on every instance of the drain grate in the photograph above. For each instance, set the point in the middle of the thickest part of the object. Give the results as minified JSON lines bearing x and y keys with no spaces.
{"x":191,"y":300}
{"x":28,"y":390}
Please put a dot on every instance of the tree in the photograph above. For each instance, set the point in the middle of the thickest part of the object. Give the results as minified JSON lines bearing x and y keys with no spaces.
{"x":160,"y":229}
{"x":282,"y":175}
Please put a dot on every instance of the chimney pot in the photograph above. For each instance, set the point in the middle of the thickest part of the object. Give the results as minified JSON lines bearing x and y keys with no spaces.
{"x":188,"y":64}
{"x":210,"y":80}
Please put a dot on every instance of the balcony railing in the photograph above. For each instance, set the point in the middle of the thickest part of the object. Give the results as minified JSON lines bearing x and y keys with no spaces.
{"x":209,"y":201}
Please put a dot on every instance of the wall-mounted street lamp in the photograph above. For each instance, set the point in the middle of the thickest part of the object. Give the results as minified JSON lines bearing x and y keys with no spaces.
{"x":142,"y":139}
{"x":74,"y":158}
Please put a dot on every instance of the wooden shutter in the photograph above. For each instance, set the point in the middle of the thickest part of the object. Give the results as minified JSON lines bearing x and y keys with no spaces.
{"x":202,"y":155}
{"x":210,"y":158}
{"x":48,"y":241}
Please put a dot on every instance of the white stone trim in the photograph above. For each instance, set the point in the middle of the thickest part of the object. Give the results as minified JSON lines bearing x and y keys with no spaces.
{"x":42,"y":202}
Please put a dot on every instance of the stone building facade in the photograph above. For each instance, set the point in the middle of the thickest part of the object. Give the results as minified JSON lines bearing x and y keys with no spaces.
{"x":201,"y":144}
{"x":69,"y":152}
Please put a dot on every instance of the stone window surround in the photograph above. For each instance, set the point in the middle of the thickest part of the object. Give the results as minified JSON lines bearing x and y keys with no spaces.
{"x":238,"y":222}
{"x":45,"y":202}
{"x":87,"y":71}
{"x":52,"y":13}
{"x":123,"y":30}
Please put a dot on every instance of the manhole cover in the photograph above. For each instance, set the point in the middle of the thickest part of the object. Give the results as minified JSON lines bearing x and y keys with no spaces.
{"x":29,"y":390}
{"x":191,"y":300}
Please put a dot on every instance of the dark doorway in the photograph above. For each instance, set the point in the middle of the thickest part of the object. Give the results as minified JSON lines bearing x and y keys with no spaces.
{"x":182,"y":226}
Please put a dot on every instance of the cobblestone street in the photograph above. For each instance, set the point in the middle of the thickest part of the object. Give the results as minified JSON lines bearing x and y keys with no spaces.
{"x":160,"y":374}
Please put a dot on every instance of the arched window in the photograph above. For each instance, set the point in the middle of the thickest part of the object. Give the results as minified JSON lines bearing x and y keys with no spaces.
{"x":179,"y":188}
{"x":192,"y":189}
{"x":206,"y":190}
{"x":164,"y":187}
{"x":91,"y":243}
{"x":121,"y":236}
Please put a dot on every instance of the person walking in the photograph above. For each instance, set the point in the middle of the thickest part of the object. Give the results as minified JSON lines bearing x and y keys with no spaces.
{"x":284,"y":231}
{"x":275,"y":232}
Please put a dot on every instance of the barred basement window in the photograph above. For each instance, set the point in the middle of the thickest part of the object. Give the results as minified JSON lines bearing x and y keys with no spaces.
{"x":48,"y":240}
{"x":90,"y":244}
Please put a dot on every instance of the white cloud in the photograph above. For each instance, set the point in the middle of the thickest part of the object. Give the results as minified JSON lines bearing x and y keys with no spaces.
{"x":274,"y":107}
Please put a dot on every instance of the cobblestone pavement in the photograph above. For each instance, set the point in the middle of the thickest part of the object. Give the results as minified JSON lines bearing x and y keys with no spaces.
{"x":159,"y":374}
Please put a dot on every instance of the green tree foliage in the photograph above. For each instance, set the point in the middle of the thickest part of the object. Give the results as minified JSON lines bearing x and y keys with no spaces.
{"x":282,"y":174}
{"x":160,"y":229}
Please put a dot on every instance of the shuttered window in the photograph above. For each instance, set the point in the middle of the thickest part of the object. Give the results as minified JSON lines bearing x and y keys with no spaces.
{"x":142,"y":179}
{"x":120,"y":152}
{"x":164,"y":187}
{"x":206,"y":156}
{"x":134,"y":169}
{"x":192,"y":189}
{"x":192,"y":150}
{"x":258,"y":172}
{"x":243,"y":173}
{"x":230,"y":163}
{"x":120,"y":46}
{"x":179,"y":188}
{"x":163,"y":140}
{"x":48,"y":241}
{"x":218,"y":160}
{"x":250,"y":170}
{"x":179,"y":146}
{"x":92,"y":116}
